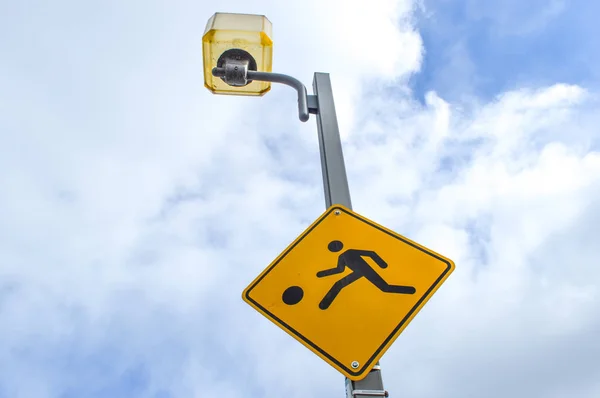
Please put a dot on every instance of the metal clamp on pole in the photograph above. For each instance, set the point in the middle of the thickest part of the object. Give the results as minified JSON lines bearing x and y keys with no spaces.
{"x":372,"y":386}
{"x":371,"y":393}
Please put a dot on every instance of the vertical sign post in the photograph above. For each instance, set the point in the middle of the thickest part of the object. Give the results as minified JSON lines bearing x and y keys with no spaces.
{"x":335,"y":184}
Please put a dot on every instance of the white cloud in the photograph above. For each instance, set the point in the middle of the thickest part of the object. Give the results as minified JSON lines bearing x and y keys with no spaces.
{"x":510,"y":187}
{"x":135,"y":210}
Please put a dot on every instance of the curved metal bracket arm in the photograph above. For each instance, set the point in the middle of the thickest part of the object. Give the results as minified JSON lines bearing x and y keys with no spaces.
{"x":303,"y":112}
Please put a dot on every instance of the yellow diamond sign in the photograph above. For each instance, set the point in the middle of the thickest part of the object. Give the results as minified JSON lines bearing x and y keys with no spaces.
{"x":347,"y":287}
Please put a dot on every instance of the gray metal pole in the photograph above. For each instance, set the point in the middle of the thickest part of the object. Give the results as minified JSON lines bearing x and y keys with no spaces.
{"x":335,"y":184}
{"x":335,"y":181}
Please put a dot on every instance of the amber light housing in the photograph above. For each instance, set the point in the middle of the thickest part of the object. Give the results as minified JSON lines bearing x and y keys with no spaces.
{"x":226,"y":32}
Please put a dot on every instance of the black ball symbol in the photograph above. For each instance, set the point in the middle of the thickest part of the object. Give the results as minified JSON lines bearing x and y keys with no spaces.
{"x":292,"y":295}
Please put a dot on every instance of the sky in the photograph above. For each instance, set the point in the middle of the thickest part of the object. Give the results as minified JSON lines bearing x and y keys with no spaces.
{"x":135,"y":206}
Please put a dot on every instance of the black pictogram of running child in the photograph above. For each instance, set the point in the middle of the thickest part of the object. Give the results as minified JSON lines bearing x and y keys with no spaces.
{"x":354,"y":259}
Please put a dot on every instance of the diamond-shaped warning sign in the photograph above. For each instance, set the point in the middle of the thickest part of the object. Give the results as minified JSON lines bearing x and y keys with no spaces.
{"x":347,"y":287}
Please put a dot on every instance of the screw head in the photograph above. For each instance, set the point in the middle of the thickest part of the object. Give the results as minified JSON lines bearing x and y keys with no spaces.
{"x":337,"y":212}
{"x":355,"y":364}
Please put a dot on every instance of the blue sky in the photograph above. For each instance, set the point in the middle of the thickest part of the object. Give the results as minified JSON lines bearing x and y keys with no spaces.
{"x":483,"y":49}
{"x":135,"y":206}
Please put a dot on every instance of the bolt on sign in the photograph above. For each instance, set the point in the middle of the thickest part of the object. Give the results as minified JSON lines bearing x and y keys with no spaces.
{"x":347,"y":287}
